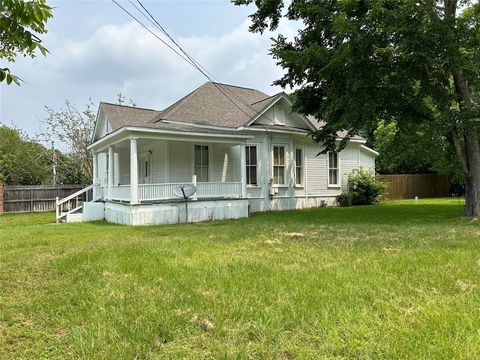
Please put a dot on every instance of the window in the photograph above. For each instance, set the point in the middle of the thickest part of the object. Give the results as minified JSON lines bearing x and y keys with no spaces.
{"x":333,"y":170}
{"x":298,"y":167}
{"x":278,"y":165}
{"x":251,"y":165}
{"x":201,"y":163}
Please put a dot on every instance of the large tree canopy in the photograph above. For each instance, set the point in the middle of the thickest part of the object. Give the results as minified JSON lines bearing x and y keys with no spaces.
{"x":21,"y":23}
{"x":356,"y":62}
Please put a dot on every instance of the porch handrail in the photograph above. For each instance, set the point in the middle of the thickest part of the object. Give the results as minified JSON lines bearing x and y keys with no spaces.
{"x":74,"y":195}
{"x":59,"y":214}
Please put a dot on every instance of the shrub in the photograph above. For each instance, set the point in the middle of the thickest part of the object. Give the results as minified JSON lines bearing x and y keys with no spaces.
{"x":344,"y":199}
{"x":363,"y":189}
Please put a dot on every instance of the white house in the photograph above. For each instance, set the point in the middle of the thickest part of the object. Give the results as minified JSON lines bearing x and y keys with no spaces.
{"x":245,"y":151}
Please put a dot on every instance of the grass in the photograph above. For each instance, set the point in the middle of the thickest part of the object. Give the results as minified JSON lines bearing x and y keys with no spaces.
{"x":398,"y":280}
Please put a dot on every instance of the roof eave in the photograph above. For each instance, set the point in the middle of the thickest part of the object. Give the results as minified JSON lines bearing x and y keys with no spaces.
{"x":129,"y":128}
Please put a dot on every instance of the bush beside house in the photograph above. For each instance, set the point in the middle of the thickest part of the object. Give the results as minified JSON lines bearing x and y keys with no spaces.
{"x":363,"y":188}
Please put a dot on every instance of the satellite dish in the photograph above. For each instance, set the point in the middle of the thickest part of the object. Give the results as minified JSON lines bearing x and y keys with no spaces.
{"x":185,"y":191}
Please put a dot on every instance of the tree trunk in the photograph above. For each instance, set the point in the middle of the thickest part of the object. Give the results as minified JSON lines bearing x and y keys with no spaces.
{"x":469,"y":158}
{"x":472,"y":150}
{"x":472,"y":196}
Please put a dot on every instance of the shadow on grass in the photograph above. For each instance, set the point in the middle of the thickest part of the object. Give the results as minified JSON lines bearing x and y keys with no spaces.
{"x":393,"y":213}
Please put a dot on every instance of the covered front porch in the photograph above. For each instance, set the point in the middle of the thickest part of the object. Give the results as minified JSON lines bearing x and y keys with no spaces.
{"x":145,"y":169}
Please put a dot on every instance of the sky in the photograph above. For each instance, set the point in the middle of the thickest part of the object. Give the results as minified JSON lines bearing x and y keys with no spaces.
{"x":97,"y":51}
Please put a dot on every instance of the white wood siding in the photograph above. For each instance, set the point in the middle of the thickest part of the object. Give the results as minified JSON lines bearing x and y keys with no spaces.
{"x":222,"y":163}
{"x":180,"y":167}
{"x":281,"y":113}
{"x":348,"y":162}
{"x":102,"y":167}
{"x":367,"y":161}
{"x":316,"y":170}
{"x":158,"y":159}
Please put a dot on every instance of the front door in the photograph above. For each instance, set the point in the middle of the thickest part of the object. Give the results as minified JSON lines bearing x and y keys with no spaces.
{"x":145,"y":169}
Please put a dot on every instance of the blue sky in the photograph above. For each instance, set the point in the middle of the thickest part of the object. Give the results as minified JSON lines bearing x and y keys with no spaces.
{"x":97,"y":51}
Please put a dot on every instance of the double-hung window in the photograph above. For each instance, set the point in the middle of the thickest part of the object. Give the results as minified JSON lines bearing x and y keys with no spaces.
{"x":201,"y":163}
{"x":298,"y":167}
{"x":251,"y":157}
{"x":279,"y":165}
{"x":333,"y":169}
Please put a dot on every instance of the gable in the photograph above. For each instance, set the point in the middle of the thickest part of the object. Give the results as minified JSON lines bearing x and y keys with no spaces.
{"x":280,"y":114}
{"x":102,"y":125}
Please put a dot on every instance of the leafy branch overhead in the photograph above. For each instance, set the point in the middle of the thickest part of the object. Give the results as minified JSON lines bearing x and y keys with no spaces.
{"x":21,"y":24}
{"x":407,"y":62}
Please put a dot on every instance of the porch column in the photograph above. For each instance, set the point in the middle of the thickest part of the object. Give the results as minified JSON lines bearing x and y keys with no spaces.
{"x":116,"y":166}
{"x":133,"y":171}
{"x":94,"y":175}
{"x":110,"y":171}
{"x":243,"y":170}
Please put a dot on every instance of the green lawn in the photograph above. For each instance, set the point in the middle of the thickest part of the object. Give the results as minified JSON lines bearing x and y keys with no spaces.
{"x":398,"y":280}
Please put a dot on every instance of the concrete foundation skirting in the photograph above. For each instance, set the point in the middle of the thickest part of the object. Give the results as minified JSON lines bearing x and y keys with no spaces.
{"x":202,"y":210}
{"x":93,"y":211}
{"x":288,"y":203}
{"x":175,"y":212}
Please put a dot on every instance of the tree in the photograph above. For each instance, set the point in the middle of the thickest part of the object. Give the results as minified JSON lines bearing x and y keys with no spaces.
{"x":22,"y":160}
{"x":69,"y":170}
{"x":21,"y":23}
{"x":403,"y":61}
{"x":73,"y":128}
{"x":413,"y":151}
{"x":121,"y":100}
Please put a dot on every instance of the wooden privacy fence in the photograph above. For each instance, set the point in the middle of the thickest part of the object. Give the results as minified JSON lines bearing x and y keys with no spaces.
{"x":32,"y":198}
{"x":422,"y":185}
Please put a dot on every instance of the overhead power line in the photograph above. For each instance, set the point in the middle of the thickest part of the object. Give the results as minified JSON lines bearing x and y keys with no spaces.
{"x":183,"y":53}
{"x":150,"y":31}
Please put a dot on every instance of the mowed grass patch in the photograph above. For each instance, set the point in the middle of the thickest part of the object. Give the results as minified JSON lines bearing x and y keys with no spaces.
{"x":397,"y":280}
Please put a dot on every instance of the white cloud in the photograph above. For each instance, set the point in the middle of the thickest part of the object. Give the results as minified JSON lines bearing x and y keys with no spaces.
{"x":127,"y":58}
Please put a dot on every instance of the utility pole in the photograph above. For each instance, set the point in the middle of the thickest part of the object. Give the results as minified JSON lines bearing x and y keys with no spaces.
{"x":54,"y":165}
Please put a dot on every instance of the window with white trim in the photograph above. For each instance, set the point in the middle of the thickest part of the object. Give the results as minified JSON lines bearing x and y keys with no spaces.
{"x":251,"y":157}
{"x":333,"y":169}
{"x":279,"y":165}
{"x":201,"y":163}
{"x":298,"y":167}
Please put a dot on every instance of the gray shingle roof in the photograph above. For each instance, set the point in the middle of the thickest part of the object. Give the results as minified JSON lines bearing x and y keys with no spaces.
{"x":119,"y":115}
{"x":215,"y":104}
{"x":212,"y":104}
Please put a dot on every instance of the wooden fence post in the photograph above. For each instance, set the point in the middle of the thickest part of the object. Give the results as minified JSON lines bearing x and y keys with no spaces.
{"x":1,"y":198}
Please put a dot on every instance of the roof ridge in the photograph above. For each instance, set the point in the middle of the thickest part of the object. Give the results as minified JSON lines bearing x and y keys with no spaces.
{"x":127,"y":106}
{"x":270,"y":97}
{"x":172,"y":106}
{"x":237,"y":86}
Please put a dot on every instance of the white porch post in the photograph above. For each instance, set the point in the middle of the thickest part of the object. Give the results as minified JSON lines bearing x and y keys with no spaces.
{"x":110,"y":171}
{"x":133,"y":171}
{"x":116,"y":166}
{"x":95,"y":175}
{"x":243,"y":170}
{"x":194,"y":182}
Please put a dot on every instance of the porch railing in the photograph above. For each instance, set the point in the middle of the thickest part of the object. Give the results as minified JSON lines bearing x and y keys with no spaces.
{"x":148,"y":192}
{"x":119,"y":192}
{"x":219,"y":189}
{"x":154,"y":192}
